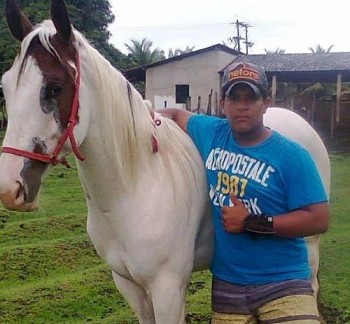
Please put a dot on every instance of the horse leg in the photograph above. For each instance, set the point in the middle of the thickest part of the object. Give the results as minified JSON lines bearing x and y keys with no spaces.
{"x":168,"y":297}
{"x":136,"y":297}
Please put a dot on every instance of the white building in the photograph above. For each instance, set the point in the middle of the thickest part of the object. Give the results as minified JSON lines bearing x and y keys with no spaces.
{"x":193,"y":77}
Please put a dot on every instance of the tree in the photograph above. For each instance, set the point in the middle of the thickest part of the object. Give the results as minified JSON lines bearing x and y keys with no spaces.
{"x":319,"y":89}
{"x":179,"y":51}
{"x":141,"y":52}
{"x":93,"y":26}
{"x":276,"y":51}
{"x":320,"y":50}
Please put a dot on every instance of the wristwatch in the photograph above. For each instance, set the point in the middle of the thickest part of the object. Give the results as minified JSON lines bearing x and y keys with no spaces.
{"x":259,"y":224}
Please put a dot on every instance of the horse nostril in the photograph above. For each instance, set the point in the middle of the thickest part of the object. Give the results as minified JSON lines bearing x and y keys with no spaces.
{"x":16,"y":198}
{"x":21,"y":192}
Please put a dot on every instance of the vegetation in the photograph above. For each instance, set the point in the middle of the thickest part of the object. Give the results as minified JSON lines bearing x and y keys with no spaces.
{"x":320,"y":50}
{"x":50,"y":273}
{"x":305,"y":93}
{"x":179,"y":51}
{"x":335,"y":244}
{"x":276,"y":51}
{"x":141,"y":52}
{"x":94,"y":27}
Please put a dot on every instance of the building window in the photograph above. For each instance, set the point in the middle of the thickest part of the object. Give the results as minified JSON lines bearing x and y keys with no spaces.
{"x":182,"y":92}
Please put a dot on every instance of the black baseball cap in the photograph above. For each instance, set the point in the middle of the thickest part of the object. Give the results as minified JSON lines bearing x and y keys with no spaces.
{"x":247,"y":73}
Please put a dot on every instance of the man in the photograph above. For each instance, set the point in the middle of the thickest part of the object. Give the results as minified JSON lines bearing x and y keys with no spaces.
{"x":266,"y":195}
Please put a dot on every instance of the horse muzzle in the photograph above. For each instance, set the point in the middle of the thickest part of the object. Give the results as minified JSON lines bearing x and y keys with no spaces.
{"x":19,"y":185}
{"x":15,"y":198}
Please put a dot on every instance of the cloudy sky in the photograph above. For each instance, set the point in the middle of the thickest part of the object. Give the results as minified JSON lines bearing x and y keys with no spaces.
{"x":292,"y":25}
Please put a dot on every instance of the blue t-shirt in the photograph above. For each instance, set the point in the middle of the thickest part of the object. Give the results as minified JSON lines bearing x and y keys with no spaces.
{"x":273,"y":178}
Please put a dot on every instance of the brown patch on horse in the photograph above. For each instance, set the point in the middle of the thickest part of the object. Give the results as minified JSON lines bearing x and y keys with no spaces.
{"x":18,"y":23}
{"x":56,"y":97}
{"x":59,"y":76}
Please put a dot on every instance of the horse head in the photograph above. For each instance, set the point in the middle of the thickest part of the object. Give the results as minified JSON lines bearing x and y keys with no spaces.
{"x":41,"y":91}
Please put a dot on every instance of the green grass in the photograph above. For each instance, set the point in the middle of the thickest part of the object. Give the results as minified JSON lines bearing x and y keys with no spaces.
{"x":50,"y":273}
{"x":335,"y":244}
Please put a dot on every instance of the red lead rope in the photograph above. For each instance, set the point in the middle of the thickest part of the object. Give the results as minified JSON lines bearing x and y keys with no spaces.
{"x":67,"y":133}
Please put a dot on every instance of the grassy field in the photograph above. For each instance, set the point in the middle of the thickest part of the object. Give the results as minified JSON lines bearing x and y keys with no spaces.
{"x":50,"y":273}
{"x":335,"y":244}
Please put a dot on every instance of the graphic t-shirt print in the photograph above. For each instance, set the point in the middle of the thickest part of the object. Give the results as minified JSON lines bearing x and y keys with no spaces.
{"x":234,"y":172}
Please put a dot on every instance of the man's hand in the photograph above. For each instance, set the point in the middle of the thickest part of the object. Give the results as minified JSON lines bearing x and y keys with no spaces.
{"x":179,"y":116}
{"x":233,"y":218}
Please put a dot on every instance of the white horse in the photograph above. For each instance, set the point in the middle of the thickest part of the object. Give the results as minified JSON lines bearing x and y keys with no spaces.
{"x":143,"y":179}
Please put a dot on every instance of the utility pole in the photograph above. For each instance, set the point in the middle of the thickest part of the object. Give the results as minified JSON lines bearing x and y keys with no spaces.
{"x":236,"y":40}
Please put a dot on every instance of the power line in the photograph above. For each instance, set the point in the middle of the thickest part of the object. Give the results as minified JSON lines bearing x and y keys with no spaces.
{"x":170,"y":27}
{"x":236,"y":40}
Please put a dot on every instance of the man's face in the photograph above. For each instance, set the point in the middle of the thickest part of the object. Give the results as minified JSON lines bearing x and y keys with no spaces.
{"x":244,"y":109}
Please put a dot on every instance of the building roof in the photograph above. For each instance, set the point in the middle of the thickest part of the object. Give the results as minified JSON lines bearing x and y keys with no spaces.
{"x":307,"y":67}
{"x":139,"y":73}
{"x":301,"y":67}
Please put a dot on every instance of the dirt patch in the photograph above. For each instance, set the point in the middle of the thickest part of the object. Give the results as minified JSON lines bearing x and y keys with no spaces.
{"x":332,"y":315}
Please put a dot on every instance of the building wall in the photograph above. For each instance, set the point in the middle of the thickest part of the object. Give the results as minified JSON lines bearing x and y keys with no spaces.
{"x":200,"y":72}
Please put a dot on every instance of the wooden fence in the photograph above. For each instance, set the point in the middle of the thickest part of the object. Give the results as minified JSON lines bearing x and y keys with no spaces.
{"x":322,"y":117}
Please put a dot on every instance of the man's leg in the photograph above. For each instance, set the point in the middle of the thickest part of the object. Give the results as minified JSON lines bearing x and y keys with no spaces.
{"x":229,"y":304}
{"x":220,"y":318}
{"x":294,"y":309}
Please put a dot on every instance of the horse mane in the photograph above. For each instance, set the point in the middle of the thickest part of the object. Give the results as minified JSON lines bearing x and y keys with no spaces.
{"x":127,"y":125}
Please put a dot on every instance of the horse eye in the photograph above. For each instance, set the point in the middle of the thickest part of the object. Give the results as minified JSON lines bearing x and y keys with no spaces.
{"x":53,"y":90}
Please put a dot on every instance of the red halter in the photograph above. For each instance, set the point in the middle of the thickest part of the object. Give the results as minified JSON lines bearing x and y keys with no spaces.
{"x":67,"y":133}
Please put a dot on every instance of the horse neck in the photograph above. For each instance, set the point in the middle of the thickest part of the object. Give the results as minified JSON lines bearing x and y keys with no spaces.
{"x":119,"y":161}
{"x":119,"y":131}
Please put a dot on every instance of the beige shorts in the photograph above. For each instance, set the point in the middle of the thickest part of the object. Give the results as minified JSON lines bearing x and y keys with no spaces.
{"x":295,"y":309}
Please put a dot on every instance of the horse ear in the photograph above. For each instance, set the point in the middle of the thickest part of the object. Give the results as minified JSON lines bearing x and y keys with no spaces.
{"x":18,"y":23}
{"x":60,"y":18}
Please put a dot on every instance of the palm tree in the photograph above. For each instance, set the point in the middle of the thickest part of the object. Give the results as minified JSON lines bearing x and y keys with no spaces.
{"x":179,"y":51}
{"x":141,"y":52}
{"x":276,"y":51}
{"x":319,"y":89}
{"x":311,"y":92}
{"x":320,"y":50}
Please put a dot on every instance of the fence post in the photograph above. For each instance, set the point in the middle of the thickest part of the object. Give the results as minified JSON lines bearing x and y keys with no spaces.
{"x":199,"y":104}
{"x":188,"y":103}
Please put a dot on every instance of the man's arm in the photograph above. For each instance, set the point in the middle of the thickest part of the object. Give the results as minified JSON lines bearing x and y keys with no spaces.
{"x":306,"y":221}
{"x":180,"y":116}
